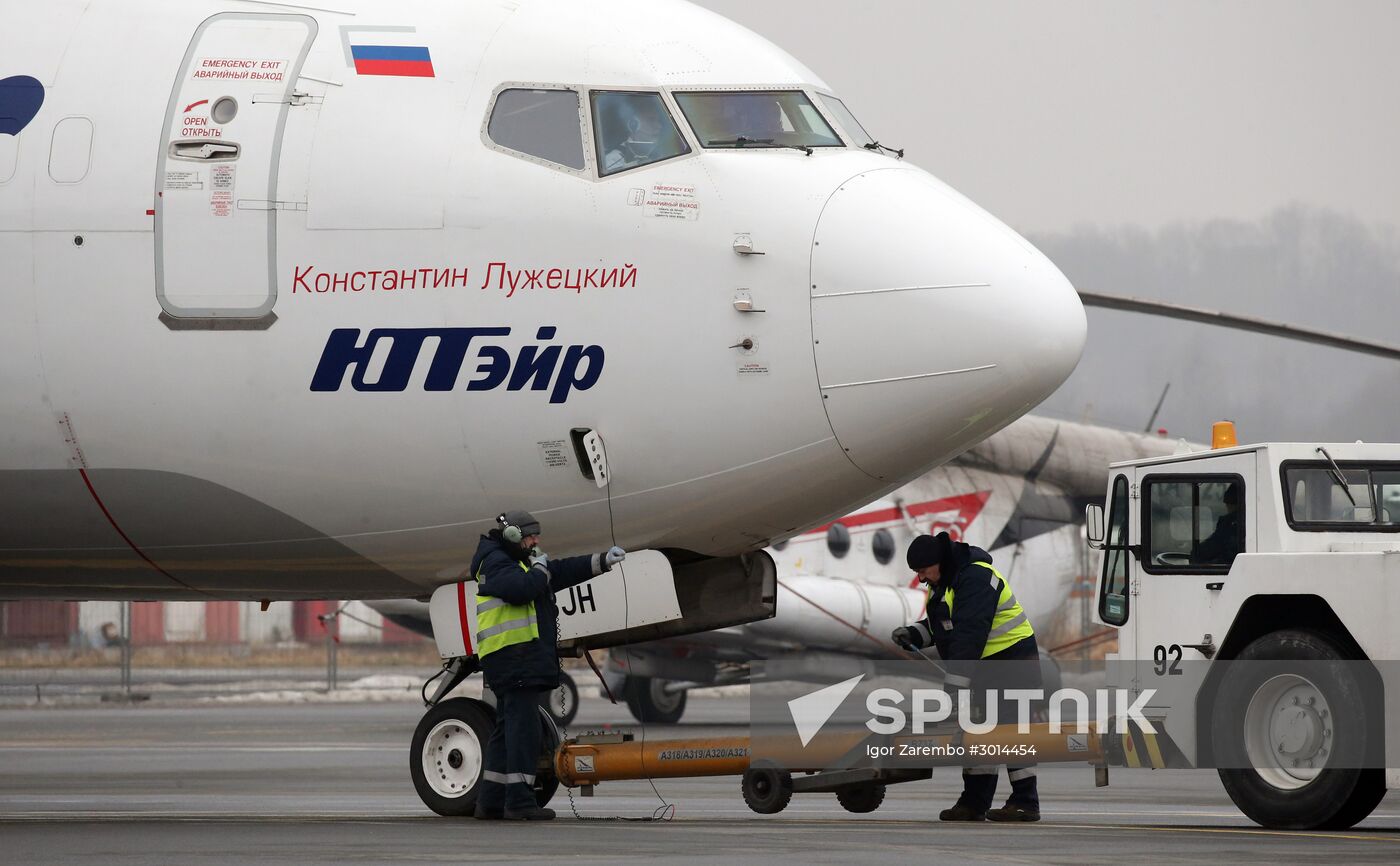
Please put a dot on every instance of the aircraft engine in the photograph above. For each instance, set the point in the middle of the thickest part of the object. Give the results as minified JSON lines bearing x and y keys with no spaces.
{"x":829,"y":613}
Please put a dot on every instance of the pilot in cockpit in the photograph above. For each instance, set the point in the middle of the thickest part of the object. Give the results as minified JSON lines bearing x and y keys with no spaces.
{"x":644,"y":127}
{"x":755,"y":116}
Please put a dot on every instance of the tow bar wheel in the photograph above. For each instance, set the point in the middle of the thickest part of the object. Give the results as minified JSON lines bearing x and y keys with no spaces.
{"x":862,"y":798}
{"x":767,"y":790}
{"x":446,"y":758}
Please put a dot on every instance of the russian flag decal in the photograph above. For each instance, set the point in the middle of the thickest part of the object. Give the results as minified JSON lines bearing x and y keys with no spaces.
{"x":412,"y":61}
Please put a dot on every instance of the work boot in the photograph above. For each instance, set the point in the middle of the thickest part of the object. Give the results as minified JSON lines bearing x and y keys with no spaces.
{"x":484,"y":814}
{"x":534,"y":813}
{"x":961,"y":812}
{"x":1014,"y":813}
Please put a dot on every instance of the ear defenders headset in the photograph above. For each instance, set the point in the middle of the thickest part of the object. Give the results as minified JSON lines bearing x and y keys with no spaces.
{"x":509,"y":531}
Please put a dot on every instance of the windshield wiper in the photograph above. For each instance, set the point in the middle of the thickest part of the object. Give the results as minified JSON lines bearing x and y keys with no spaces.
{"x":877,"y":146}
{"x":742,"y":141}
{"x":1336,"y":474}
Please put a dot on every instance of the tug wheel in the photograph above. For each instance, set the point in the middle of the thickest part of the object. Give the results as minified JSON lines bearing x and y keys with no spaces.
{"x":1298,"y":731}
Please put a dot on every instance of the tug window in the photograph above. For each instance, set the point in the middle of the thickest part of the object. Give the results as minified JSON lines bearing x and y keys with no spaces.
{"x":1318,"y":501}
{"x":632,"y":130}
{"x":1113,"y":597}
{"x":541,"y":123}
{"x":1193,"y":524}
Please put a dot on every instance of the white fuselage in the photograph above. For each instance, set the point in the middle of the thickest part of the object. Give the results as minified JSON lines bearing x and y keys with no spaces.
{"x":1020,"y":495}
{"x":210,"y":388}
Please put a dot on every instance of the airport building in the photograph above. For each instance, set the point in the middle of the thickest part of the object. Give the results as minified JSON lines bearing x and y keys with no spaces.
{"x":95,"y":624}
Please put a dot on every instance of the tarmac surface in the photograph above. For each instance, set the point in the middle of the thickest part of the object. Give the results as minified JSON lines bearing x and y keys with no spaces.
{"x":322,"y":783}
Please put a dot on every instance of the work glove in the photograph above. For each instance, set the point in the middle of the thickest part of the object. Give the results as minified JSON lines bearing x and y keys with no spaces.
{"x":540,"y":558}
{"x":907,"y":637}
{"x":614,"y":555}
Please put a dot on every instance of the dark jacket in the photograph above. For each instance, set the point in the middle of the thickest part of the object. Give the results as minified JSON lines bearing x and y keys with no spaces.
{"x":1223,"y":545}
{"x":533,"y":664}
{"x":974,"y":607}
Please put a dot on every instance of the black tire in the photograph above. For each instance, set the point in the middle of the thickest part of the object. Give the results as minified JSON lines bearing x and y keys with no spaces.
{"x":546,"y":782}
{"x":649,"y":702}
{"x":862,"y":798}
{"x":1282,"y":797}
{"x":767,"y":790}
{"x":448,"y":793}
{"x":562,"y":703}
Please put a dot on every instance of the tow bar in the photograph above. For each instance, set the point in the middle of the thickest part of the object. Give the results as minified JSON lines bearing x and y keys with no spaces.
{"x":588,"y":760}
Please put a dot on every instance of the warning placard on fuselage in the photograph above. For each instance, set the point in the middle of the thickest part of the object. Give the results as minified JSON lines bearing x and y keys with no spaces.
{"x":671,"y":201}
{"x":238,"y":69}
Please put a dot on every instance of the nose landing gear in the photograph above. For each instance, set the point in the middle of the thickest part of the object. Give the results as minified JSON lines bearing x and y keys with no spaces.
{"x":448,"y":755}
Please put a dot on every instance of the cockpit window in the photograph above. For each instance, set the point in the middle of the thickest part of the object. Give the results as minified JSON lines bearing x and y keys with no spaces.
{"x":848,"y":121}
{"x":539,"y":123}
{"x":770,"y":118}
{"x":632,"y":130}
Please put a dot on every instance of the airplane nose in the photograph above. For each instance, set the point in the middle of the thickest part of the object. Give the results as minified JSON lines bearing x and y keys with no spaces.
{"x":934,"y":323}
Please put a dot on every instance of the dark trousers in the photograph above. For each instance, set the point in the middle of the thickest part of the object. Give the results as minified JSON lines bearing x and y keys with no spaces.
{"x":980,"y":787}
{"x":1016,"y":668}
{"x":512,"y":753}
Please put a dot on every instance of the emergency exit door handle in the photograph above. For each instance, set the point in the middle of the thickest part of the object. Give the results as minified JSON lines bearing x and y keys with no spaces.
{"x":205,"y":151}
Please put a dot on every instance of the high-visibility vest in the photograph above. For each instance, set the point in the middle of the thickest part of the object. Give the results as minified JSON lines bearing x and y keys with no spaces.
{"x":500,"y":624}
{"x":1010,"y":624}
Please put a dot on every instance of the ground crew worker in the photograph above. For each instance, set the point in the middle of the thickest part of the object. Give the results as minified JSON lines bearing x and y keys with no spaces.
{"x":517,"y":630}
{"x":1223,"y":545}
{"x":973,"y":617}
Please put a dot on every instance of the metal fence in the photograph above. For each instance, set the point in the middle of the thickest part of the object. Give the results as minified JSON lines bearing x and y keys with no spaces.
{"x":52,"y":652}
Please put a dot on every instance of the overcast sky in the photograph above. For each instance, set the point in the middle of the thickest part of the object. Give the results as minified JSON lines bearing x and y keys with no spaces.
{"x":1055,"y":113}
{"x":1236,"y":154}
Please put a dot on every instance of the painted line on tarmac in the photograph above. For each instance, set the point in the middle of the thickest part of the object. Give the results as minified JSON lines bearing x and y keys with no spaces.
{"x":50,"y":816}
{"x":850,"y":824}
{"x":1236,"y":831}
{"x":195,"y":747}
{"x":878,"y":825}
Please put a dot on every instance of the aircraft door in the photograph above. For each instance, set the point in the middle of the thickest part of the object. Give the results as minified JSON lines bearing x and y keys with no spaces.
{"x":216,"y":178}
{"x":1190,"y":529}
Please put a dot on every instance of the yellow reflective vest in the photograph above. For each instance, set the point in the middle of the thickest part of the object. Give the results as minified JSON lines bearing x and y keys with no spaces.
{"x":1010,"y":624}
{"x":500,"y":624}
